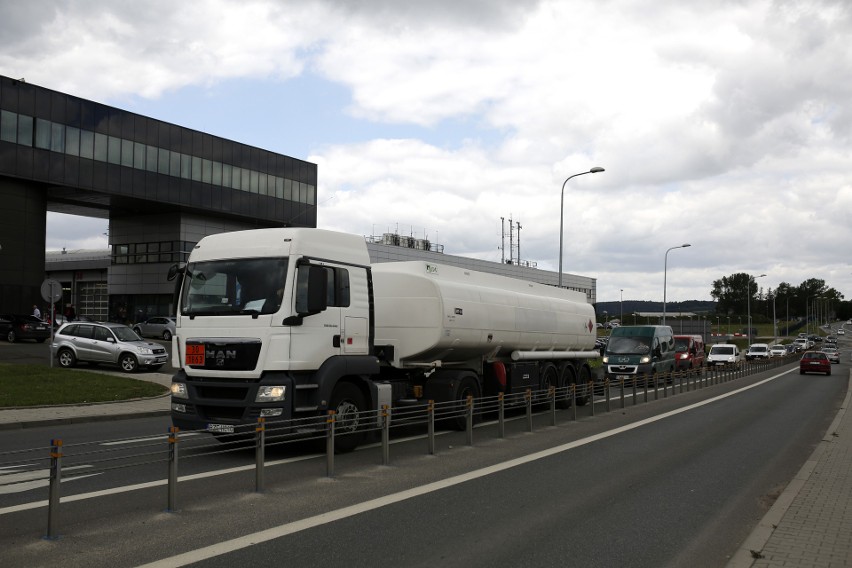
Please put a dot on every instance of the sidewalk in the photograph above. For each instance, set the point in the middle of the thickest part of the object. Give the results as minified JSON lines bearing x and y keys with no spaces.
{"x":810,"y":523}
{"x":30,"y":417}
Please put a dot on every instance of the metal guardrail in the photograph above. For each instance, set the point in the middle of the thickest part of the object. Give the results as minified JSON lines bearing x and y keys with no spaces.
{"x":29,"y":467}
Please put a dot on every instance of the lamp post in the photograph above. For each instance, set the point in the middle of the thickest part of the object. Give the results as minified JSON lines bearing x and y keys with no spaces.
{"x":621,"y":308}
{"x":748,"y":300}
{"x":665,"y":270}
{"x":561,"y":216}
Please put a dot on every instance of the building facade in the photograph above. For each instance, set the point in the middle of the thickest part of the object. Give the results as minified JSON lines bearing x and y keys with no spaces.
{"x":161,"y":186}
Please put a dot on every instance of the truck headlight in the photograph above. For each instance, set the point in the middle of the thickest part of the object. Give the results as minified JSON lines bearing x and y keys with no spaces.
{"x":179,"y":390}
{"x":645,"y":359}
{"x":606,"y":359}
{"x":272,"y":393}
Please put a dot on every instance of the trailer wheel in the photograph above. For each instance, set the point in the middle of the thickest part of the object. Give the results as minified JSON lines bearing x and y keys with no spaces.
{"x":549,"y":378}
{"x":467,"y":385}
{"x":568,"y":377}
{"x":349,"y":406}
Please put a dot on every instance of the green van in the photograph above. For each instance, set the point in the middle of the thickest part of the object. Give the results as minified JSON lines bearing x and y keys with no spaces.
{"x":635,"y":350}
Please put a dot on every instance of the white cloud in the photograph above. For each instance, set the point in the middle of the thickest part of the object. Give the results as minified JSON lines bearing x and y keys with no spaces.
{"x":723,"y":124}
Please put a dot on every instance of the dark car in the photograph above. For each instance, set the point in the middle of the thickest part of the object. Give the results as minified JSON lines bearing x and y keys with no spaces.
{"x":814,"y":362}
{"x":16,"y":327}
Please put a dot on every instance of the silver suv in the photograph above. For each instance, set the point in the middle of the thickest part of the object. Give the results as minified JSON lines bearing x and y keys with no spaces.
{"x":106,"y":343}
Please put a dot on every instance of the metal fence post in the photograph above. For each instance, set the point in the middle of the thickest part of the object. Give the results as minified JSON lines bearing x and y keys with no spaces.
{"x":501,"y":415}
{"x":551,"y":393}
{"x":173,"y":468}
{"x":635,"y":397}
{"x":606,"y":394}
{"x":469,"y":412}
{"x":621,"y":386}
{"x":646,"y":387}
{"x":430,"y":427}
{"x":385,"y":435}
{"x":259,"y":454}
{"x":528,"y":396}
{"x":329,"y":444}
{"x":590,"y":388}
{"x":574,"y":401}
{"x":55,"y":481}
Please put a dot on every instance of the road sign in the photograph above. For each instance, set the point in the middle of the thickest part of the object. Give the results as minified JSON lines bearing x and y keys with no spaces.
{"x":51,"y":290}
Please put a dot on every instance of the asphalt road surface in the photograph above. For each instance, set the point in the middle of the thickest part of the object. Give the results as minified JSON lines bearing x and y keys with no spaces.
{"x":678,"y":481}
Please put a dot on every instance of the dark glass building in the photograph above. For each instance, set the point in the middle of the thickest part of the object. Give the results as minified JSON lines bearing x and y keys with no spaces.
{"x":162,"y":187}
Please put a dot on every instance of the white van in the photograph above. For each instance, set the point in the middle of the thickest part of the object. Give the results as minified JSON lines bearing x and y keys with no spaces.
{"x":724,"y":354}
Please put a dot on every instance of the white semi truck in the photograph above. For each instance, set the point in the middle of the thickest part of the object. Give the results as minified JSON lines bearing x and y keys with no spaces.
{"x":290,"y":323}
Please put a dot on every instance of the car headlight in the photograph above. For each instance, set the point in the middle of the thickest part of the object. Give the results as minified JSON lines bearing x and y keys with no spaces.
{"x":179,"y":390}
{"x":684,"y":356}
{"x":606,"y":359}
{"x":271,"y":393}
{"x":645,"y":359}
{"x":144,"y":350}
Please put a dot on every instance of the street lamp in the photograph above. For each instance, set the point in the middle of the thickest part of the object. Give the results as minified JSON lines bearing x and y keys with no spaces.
{"x":562,"y":208}
{"x":748,"y":299}
{"x":621,"y":308}
{"x":665,"y":269}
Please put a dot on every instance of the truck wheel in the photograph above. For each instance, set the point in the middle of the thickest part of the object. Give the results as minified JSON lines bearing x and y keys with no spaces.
{"x":567,"y":377}
{"x":349,"y":406}
{"x":465,"y":386}
{"x":549,"y":378}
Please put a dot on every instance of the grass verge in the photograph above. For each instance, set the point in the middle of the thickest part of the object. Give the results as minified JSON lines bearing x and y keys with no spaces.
{"x":36,"y":385}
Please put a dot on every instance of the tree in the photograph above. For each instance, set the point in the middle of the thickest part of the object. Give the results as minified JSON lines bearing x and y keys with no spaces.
{"x":730,"y":293}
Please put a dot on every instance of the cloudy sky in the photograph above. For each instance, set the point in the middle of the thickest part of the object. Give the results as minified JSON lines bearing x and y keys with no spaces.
{"x":724,"y":124}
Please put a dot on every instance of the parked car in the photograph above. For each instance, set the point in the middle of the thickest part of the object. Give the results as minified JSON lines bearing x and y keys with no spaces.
{"x":160,"y":327}
{"x":724,"y":354}
{"x":814,"y":362}
{"x":16,"y":327}
{"x":757,"y":351}
{"x":832,"y":352}
{"x":778,"y":350}
{"x":113,"y":343}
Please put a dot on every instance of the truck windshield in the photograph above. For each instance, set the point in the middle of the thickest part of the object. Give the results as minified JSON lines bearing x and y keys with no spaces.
{"x":681,"y":345}
{"x":628,"y":345}
{"x":233,"y":287}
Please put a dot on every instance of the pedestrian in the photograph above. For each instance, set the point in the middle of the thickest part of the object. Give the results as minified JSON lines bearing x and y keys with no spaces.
{"x":36,"y":311}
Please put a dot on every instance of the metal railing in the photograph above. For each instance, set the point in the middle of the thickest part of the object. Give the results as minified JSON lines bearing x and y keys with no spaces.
{"x":37,"y":465}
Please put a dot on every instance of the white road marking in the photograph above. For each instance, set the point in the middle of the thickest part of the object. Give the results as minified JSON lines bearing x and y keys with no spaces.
{"x":158,"y":438}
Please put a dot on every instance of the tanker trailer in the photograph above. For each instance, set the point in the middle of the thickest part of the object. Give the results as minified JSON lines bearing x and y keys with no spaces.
{"x":474,"y":333}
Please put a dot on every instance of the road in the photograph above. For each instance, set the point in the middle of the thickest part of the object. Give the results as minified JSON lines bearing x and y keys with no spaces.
{"x":680,"y":480}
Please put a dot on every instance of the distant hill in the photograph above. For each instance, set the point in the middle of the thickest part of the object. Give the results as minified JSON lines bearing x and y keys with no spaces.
{"x":631,"y":306}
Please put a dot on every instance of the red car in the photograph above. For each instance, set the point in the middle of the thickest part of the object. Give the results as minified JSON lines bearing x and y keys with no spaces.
{"x":814,"y":362}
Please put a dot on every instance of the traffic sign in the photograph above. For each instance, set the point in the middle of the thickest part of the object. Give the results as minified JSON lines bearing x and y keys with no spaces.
{"x":51,"y":290}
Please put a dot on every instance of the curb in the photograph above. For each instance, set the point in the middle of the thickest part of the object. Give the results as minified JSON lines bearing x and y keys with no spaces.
{"x":81,"y":420}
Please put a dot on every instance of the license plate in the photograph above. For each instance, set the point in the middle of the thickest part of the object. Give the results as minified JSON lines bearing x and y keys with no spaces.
{"x":223,"y":428}
{"x":195,"y":355}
